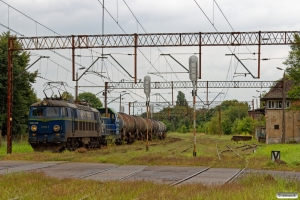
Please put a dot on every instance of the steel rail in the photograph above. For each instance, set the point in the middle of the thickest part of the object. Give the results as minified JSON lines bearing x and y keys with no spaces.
{"x":189,"y":177}
{"x":95,"y":173}
{"x":128,"y":176}
{"x":233,"y":177}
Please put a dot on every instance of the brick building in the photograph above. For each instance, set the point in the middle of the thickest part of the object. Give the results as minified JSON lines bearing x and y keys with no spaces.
{"x":274,"y":113}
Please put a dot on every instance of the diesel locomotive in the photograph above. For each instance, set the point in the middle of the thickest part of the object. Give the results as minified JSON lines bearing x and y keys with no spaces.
{"x":55,"y":125}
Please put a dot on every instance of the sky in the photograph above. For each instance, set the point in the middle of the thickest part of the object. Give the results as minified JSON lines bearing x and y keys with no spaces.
{"x":74,"y":17}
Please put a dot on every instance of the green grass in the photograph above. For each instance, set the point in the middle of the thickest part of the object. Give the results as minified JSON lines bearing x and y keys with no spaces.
{"x":39,"y":186}
{"x":167,"y":152}
{"x":17,"y":147}
{"x":176,"y":149}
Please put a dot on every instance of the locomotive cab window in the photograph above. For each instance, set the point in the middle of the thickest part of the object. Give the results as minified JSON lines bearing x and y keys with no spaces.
{"x":64,"y":112}
{"x":37,"y":112}
{"x":52,"y":112}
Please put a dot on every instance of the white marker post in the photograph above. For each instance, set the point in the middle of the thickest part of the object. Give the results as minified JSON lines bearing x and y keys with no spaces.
{"x":193,"y":66}
{"x":147,"y":90}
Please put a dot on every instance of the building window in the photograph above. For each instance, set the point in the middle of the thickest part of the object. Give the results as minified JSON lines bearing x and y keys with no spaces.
{"x":287,"y":104}
{"x":278,"y":104}
{"x":271,"y":104}
{"x":276,"y":127}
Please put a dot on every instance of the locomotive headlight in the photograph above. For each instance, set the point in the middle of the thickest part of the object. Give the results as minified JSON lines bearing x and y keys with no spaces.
{"x":56,"y":128}
{"x":33,"y":128}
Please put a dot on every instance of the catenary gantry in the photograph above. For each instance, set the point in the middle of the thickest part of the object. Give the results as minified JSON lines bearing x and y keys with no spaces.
{"x":138,"y":40}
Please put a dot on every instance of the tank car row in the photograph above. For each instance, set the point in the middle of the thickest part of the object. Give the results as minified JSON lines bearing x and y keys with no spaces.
{"x":55,"y":125}
{"x":133,"y":128}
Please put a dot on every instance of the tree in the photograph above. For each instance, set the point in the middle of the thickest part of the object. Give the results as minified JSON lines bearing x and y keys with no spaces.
{"x":181,"y":101}
{"x":245,"y":125}
{"x":23,"y":93}
{"x":90,"y":98}
{"x":230,"y":112}
{"x":68,"y":96}
{"x":293,"y":69}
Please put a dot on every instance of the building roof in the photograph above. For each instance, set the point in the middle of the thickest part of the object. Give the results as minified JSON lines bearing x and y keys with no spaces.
{"x":276,"y":91}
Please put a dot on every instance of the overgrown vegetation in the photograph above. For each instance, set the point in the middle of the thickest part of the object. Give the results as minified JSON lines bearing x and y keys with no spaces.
{"x":175,"y":150}
{"x":39,"y":186}
{"x":293,"y":68}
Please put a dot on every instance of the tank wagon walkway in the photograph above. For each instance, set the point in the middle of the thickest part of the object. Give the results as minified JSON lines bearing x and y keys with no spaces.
{"x":172,"y":175}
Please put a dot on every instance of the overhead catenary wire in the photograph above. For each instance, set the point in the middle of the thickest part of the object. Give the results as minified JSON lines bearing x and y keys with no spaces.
{"x":30,"y":17}
{"x":126,"y":33}
{"x":144,"y":31}
{"x":51,"y":50}
{"x":218,"y":32}
{"x":157,"y":47}
{"x":228,"y":21}
{"x":36,"y":22}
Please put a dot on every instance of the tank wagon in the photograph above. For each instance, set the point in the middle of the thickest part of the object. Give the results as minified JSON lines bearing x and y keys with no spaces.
{"x":133,"y":128}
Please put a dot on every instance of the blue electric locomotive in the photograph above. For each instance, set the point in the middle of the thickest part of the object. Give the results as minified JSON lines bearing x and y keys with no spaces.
{"x":55,"y":124}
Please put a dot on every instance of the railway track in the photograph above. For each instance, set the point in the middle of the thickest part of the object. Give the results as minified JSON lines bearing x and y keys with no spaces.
{"x":189,"y":177}
{"x":120,"y":179}
{"x":234,"y":176}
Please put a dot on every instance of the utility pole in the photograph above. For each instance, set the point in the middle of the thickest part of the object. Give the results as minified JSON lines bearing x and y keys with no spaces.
{"x":220,"y":129}
{"x":283,"y":106}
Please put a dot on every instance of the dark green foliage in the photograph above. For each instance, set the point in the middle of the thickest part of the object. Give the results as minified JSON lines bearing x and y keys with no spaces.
{"x":23,"y":93}
{"x":68,"y":96}
{"x":90,"y":98}
{"x":230,"y":111}
{"x":293,"y":69}
{"x":181,"y":101}
{"x":183,"y":129}
{"x":244,"y":126}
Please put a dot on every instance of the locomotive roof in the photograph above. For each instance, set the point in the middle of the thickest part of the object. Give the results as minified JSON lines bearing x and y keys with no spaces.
{"x":61,"y":103}
{"x":110,"y":110}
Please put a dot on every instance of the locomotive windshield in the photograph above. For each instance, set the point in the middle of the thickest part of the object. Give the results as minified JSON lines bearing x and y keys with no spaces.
{"x":37,"y":112}
{"x":45,"y":112}
{"x":52,"y":111}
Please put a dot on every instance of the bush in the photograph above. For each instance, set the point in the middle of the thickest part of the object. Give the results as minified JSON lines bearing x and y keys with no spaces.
{"x":183,"y":129}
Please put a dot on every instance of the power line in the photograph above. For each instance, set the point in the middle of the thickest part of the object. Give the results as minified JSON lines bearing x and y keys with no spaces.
{"x":30,"y":18}
{"x":44,"y":27}
{"x":223,"y":15}
{"x":157,"y":47}
{"x":11,"y":29}
{"x":126,"y":33}
{"x":228,"y":22}
{"x":218,"y":31}
{"x":50,"y":50}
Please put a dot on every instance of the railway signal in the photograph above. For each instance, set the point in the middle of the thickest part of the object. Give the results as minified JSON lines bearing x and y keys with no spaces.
{"x":193,"y":62}
{"x":147,"y":90}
